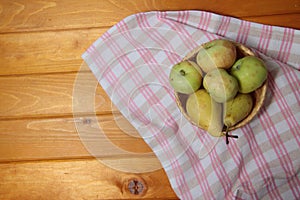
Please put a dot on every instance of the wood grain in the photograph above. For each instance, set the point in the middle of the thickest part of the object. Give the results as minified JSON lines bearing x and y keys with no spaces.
{"x":27,"y":15}
{"x":47,"y":146}
{"x":284,"y":20}
{"x":26,"y":53}
{"x":76,"y":179}
{"x":49,"y":95}
{"x":45,"y":52}
{"x":64,"y":138}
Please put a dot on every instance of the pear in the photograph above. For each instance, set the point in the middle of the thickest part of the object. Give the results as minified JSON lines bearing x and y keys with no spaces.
{"x":185,"y":77}
{"x":237,"y":109}
{"x":220,"y":85}
{"x":250,"y":72}
{"x":218,"y":53}
{"x":205,"y":112}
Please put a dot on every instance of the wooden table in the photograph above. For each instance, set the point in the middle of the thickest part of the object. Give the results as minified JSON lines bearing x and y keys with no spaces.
{"x":41,"y":154}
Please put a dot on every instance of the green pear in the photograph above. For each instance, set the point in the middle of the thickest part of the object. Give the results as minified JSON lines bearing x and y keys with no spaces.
{"x":216,"y":54}
{"x":205,"y":112}
{"x":237,"y":109}
{"x":220,"y":85}
{"x":250,"y":72}
{"x":185,"y":77}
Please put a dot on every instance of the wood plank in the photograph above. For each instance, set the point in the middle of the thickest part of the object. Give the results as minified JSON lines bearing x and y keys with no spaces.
{"x":27,"y":15}
{"x":45,"y":52}
{"x":285,"y":20}
{"x":77,"y":179}
{"x":50,"y":95}
{"x":64,"y":138}
{"x":26,"y":53}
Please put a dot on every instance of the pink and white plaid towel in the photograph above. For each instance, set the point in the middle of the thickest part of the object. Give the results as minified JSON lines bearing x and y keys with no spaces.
{"x":132,"y":62}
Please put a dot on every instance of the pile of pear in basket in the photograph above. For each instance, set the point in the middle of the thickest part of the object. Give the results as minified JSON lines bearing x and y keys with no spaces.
{"x":219,"y":86}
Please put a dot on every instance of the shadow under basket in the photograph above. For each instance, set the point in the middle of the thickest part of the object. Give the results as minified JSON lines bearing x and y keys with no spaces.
{"x":258,"y":95}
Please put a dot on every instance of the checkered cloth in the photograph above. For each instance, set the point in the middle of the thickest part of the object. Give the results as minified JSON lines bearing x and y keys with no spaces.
{"x":132,"y":61}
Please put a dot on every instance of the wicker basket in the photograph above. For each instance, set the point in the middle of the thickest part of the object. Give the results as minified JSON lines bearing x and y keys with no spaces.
{"x":258,"y":95}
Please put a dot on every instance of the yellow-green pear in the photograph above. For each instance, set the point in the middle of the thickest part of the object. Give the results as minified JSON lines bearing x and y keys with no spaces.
{"x":185,"y":77}
{"x":237,"y":109}
{"x":217,"y":53}
{"x":220,"y":85}
{"x":250,"y":73}
{"x":205,"y":112}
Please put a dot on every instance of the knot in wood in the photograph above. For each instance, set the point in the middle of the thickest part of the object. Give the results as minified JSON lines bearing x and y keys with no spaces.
{"x":86,"y":121}
{"x":135,"y":187}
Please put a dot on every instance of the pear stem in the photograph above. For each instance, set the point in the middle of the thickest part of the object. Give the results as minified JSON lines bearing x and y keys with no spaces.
{"x":229,"y":136}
